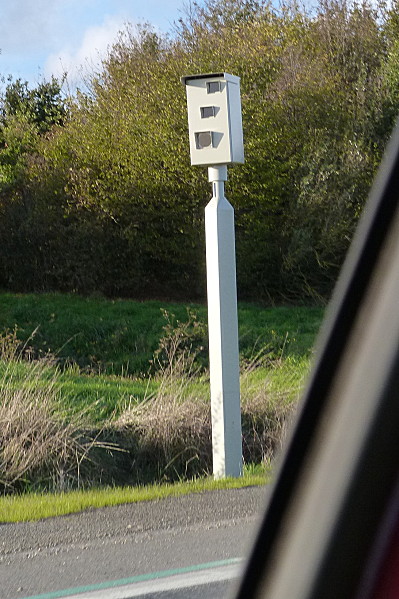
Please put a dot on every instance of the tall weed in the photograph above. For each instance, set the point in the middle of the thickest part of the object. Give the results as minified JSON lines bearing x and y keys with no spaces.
{"x":172,"y":428}
{"x":40,"y":447}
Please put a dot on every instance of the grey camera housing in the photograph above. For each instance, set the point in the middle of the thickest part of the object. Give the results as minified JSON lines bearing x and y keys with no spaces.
{"x":214,"y":119}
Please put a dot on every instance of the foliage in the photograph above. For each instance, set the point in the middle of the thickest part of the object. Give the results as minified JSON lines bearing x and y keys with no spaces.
{"x":43,"y":105}
{"x":24,"y":115}
{"x":183,"y":345}
{"x":109,"y":203}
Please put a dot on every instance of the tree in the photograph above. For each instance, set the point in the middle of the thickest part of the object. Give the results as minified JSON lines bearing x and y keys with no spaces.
{"x":26,"y":114}
{"x":43,"y":106}
{"x":112,"y":198}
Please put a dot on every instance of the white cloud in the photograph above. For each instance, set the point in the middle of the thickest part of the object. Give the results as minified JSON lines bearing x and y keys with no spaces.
{"x":27,"y":25}
{"x":93,"y":47}
{"x":39,"y":38}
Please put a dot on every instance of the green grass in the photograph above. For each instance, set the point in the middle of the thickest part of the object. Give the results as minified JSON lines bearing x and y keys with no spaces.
{"x":99,"y":396}
{"x":106,"y":346}
{"x":102,"y":397}
{"x":287,"y":330}
{"x":284,"y":379}
{"x":115,"y":336}
{"x":103,"y":350}
{"x":120,"y":336}
{"x":34,"y":506}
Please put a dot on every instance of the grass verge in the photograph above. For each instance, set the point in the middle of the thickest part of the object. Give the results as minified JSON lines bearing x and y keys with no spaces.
{"x":120,"y":336}
{"x":131,"y":429}
{"x":36,"y":506}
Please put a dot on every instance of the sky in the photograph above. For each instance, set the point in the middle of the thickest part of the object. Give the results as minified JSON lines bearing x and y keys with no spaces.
{"x":40,"y":38}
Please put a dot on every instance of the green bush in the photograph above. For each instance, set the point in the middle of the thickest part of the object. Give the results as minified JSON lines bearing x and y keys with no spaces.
{"x":101,"y":197}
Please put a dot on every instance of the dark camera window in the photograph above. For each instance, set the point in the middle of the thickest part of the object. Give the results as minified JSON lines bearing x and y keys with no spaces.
{"x":213,"y":86}
{"x":203,"y":140}
{"x":207,"y":111}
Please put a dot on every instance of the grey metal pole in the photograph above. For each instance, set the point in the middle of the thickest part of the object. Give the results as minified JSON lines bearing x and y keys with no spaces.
{"x":223,"y":330}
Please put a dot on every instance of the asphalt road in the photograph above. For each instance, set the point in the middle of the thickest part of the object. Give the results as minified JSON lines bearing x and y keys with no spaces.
{"x":174,"y":544}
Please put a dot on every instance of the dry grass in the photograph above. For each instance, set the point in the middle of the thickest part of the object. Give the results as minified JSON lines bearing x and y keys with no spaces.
{"x":166,"y":437}
{"x":173,"y":427}
{"x":39,"y":445}
{"x":172,"y":430}
{"x":265,"y":420}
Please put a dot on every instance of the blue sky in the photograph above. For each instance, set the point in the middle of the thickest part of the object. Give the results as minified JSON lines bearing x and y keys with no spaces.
{"x":39,"y":38}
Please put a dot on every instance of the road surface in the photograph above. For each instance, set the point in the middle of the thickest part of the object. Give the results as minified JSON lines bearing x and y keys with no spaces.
{"x":189,"y":546}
